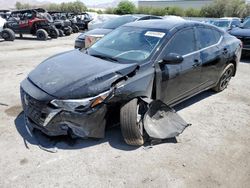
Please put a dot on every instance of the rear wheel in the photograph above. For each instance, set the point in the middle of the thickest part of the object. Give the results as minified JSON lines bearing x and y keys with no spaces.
{"x":54,"y":33}
{"x":68,"y":31}
{"x":225,"y":78}
{"x":131,"y":123}
{"x":41,"y":34}
{"x":61,"y":33}
{"x":75,"y":29}
{"x":8,"y":34}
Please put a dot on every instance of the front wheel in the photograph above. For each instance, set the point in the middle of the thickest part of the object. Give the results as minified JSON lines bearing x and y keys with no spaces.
{"x":75,"y":29}
{"x":41,"y":34}
{"x":131,"y":124}
{"x":8,"y":34}
{"x":225,"y":78}
{"x":54,"y":33}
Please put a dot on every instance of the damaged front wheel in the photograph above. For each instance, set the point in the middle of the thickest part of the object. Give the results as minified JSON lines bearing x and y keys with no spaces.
{"x":131,"y":124}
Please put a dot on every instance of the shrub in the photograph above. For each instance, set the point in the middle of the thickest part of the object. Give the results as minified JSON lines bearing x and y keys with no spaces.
{"x":125,"y":7}
{"x":191,"y":12}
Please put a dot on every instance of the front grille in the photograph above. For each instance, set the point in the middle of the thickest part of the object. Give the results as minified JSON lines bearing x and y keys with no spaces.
{"x":33,"y":108}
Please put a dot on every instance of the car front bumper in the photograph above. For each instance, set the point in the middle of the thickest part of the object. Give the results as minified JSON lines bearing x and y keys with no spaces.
{"x":80,"y":43}
{"x":55,"y":122}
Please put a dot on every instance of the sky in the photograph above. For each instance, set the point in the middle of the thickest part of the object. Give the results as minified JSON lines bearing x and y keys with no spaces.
{"x":88,"y":2}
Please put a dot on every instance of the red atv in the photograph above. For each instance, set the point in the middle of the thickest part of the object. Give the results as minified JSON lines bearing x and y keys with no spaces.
{"x":29,"y":22}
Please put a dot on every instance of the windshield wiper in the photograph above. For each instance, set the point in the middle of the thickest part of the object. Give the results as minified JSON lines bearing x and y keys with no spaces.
{"x":104,"y":57}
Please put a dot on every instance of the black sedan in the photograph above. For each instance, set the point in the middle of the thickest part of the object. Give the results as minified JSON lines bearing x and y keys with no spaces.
{"x":243,"y":33}
{"x":109,"y":26}
{"x":127,"y":77}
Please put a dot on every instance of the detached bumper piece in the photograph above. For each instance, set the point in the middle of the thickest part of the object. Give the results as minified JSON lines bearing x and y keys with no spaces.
{"x":55,"y":122}
{"x":162,"y":122}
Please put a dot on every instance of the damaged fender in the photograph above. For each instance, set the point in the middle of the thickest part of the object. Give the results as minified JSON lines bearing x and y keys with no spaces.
{"x":161,"y":121}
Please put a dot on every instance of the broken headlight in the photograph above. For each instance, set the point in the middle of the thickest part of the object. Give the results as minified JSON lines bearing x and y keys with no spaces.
{"x":80,"y":104}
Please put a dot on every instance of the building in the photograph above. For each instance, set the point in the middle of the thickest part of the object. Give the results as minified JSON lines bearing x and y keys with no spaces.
{"x":179,"y":3}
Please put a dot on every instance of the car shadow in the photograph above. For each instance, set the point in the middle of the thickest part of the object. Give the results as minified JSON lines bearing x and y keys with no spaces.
{"x":194,"y":99}
{"x":113,"y":135}
{"x":30,"y":38}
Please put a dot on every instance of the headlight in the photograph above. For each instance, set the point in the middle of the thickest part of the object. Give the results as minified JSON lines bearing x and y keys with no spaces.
{"x":80,"y":104}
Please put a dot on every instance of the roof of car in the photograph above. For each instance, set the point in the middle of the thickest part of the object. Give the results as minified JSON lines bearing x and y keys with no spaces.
{"x":229,"y":18}
{"x":163,"y":24}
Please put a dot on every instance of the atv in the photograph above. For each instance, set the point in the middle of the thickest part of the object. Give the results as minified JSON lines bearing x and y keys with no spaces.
{"x":4,"y":14}
{"x":72,"y":18}
{"x":28,"y":22}
{"x":82,"y":20}
{"x":62,"y":23}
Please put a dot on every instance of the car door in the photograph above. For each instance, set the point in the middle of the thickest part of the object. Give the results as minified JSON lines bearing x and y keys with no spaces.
{"x":180,"y":80}
{"x":212,"y":54}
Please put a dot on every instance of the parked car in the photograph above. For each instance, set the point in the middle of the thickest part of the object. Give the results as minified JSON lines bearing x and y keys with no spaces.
{"x":227,"y":24}
{"x":79,"y":91}
{"x":243,"y":33}
{"x":107,"y":27}
{"x":28,"y":22}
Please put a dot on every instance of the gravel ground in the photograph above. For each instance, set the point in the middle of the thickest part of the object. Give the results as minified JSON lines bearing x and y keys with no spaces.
{"x":213,"y":152}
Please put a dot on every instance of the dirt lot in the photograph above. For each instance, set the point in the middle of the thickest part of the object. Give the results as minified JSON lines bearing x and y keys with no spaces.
{"x":213,"y":152}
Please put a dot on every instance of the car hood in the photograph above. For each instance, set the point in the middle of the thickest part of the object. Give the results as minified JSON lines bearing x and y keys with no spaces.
{"x":74,"y":74}
{"x":99,"y":31}
{"x":240,"y":32}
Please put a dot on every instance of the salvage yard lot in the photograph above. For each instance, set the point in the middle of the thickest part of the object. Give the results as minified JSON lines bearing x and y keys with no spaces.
{"x":213,"y":152}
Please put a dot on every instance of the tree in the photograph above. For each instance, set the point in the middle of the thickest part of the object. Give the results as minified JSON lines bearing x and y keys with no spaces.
{"x":125,"y":7}
{"x":18,"y":5}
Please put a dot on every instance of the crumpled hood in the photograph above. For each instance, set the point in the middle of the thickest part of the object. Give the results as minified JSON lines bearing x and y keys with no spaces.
{"x":240,"y":32}
{"x":99,"y":31}
{"x":73,"y":75}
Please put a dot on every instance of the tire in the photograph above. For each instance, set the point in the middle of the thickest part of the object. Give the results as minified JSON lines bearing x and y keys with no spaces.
{"x":75,"y":29}
{"x":131,"y":130}
{"x":41,"y":34}
{"x":68,"y":31}
{"x":8,"y":34}
{"x":61,"y":34}
{"x":225,"y":78}
{"x":54,"y":33}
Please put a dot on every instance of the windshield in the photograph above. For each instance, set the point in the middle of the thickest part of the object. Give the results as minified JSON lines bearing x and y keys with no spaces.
{"x":222,"y":23}
{"x":128,"y":44}
{"x":117,"y":22}
{"x":246,"y":24}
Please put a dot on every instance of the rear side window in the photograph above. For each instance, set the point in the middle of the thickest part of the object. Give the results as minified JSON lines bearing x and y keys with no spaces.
{"x":217,"y":35}
{"x":246,"y":24}
{"x":207,"y":37}
{"x":182,"y":42}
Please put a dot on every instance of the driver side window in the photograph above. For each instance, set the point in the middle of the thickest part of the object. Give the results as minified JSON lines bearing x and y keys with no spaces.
{"x":182,"y":43}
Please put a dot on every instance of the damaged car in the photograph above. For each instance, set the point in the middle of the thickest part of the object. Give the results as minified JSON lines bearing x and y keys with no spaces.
{"x":132,"y":77}
{"x":85,"y":40}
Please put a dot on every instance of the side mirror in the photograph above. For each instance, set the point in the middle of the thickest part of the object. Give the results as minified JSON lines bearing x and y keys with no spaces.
{"x":172,"y":58}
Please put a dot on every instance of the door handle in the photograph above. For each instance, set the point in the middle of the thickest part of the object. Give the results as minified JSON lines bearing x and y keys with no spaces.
{"x":225,"y":51}
{"x":196,"y":63}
